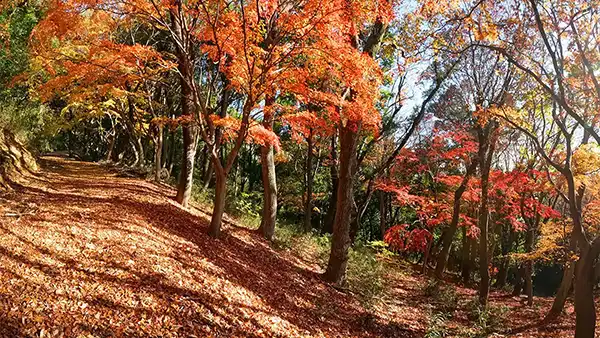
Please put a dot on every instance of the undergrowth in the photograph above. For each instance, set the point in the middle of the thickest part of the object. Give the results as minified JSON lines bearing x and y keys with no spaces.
{"x":366,"y":270}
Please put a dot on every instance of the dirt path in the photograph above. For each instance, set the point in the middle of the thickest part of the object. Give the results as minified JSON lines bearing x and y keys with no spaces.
{"x":98,"y":254}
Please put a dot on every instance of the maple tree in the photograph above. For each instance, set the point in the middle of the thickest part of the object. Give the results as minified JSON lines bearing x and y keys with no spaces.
{"x":464,"y":134}
{"x":562,"y":37}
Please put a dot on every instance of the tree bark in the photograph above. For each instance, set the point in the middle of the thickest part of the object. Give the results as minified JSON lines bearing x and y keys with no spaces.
{"x":519,"y":281}
{"x":158,"y":146}
{"x":140,"y":146}
{"x":484,"y":284}
{"x":448,"y":234}
{"x":382,"y":214}
{"x":485,"y":153}
{"x":466,"y":257}
{"x":269,"y":179}
{"x":333,"y":168}
{"x":186,"y":177}
{"x":528,"y":266}
{"x":111,"y":143}
{"x":186,"y":70}
{"x":340,"y":244}
{"x":136,"y":154}
{"x":172,"y":147}
{"x":485,"y":159}
{"x":219,"y":204}
{"x":565,"y":284}
{"x":309,"y":184}
{"x":585,"y":310}
{"x":504,"y":263}
{"x":563,"y":291}
{"x":426,"y":255}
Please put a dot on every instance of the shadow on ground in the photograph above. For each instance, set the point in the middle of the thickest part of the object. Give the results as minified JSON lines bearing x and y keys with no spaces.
{"x":117,"y":257}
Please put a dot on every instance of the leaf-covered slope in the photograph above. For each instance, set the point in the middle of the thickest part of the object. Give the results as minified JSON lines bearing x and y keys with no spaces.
{"x":92,"y":253}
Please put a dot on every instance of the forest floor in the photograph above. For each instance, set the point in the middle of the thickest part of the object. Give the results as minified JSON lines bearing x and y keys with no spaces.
{"x":86,"y":253}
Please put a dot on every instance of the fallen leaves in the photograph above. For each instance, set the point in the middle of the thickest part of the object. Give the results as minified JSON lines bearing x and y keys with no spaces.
{"x":108,"y":256}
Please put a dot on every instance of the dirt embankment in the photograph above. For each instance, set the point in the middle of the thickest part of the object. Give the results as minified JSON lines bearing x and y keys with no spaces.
{"x":16,"y":161}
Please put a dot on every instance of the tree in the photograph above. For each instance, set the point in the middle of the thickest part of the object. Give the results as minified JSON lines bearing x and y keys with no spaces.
{"x":558,"y":40}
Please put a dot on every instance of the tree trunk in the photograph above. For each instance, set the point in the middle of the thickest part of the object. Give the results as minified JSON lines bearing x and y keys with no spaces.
{"x":208,"y":175}
{"x":565,"y":284}
{"x":185,"y":55}
{"x":140,"y":147}
{"x":563,"y":291}
{"x":136,"y":154}
{"x":486,"y":150}
{"x":330,"y":215}
{"x":340,"y":244}
{"x":528,"y":266}
{"x":158,"y":146}
{"x":269,"y":179}
{"x":426,"y":257}
{"x":504,"y":263}
{"x":519,"y":281}
{"x":484,"y":285}
{"x":165,"y":148}
{"x":186,"y":177}
{"x":382,"y":214}
{"x":204,"y":161}
{"x":309,"y":184}
{"x":466,"y":257}
{"x":219,"y":204}
{"x":585,"y":310}
{"x":111,"y":144}
{"x":448,"y":234}
{"x":171,"y":158}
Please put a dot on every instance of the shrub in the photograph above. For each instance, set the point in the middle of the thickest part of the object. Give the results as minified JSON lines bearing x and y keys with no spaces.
{"x":444,"y":295}
{"x":486,"y":320}
{"x":366,"y":274}
{"x":436,"y":326}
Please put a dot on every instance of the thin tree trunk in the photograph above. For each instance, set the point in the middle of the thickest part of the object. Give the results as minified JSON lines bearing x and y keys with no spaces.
{"x":426,"y":257}
{"x":565,"y":284}
{"x":528,"y":266}
{"x":486,"y":150}
{"x":208,"y":175}
{"x":448,"y":234}
{"x":269,"y":179}
{"x":158,"y":146}
{"x":340,"y":244}
{"x":519,"y":281}
{"x":140,"y":147}
{"x":222,"y":171}
{"x":111,"y":144}
{"x":165,"y":148}
{"x":484,"y":284}
{"x":204,"y":160}
{"x":504,"y":264}
{"x":382,"y":214}
{"x":309,"y":184}
{"x":172,"y":148}
{"x":186,"y":177}
{"x":186,"y":71}
{"x":466,"y":256}
{"x":219,"y":204}
{"x":136,"y":154}
{"x":330,"y":215}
